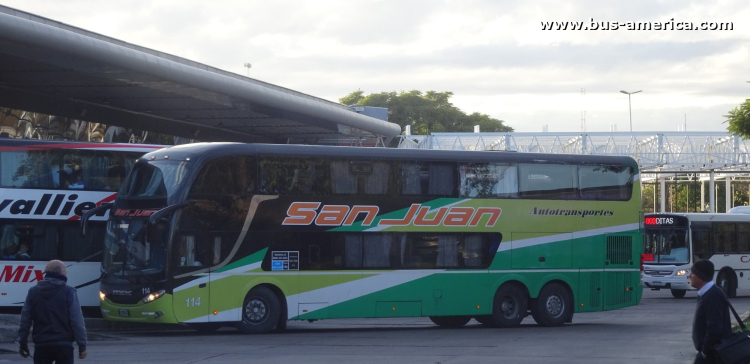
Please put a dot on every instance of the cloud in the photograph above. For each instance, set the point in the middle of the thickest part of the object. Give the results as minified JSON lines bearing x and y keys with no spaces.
{"x":492,"y":54}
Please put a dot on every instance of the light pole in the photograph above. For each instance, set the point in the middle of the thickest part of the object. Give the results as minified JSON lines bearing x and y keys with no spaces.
{"x":630,"y":108}
{"x":248,"y":66}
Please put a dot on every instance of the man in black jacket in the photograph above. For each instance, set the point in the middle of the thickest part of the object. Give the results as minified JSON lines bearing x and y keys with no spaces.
{"x":711,"y":322}
{"x":53,"y":308}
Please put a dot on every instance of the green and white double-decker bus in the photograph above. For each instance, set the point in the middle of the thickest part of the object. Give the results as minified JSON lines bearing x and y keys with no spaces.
{"x":220,"y":234}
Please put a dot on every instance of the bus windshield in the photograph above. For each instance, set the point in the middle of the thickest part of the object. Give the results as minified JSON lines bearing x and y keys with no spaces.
{"x":667,"y":246}
{"x":127,"y":252}
{"x":154,"y":180}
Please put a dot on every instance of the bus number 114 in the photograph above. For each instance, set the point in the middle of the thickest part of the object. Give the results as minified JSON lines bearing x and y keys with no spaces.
{"x":193,"y":302}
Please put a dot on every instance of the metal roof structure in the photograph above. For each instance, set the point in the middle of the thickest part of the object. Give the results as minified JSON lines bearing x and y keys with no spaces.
{"x":655,"y":152}
{"x":53,"y":68}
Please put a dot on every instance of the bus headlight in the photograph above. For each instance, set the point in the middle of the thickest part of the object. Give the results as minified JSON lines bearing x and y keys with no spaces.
{"x":681,"y":272}
{"x":102,"y":295}
{"x":153,"y":296}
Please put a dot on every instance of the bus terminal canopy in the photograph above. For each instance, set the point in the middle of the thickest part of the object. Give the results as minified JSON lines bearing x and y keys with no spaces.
{"x":53,"y":68}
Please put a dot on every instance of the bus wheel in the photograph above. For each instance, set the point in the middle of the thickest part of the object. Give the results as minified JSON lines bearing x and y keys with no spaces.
{"x":678,"y":293}
{"x":205,"y":328}
{"x":725,"y":281}
{"x":260,"y":312}
{"x":509,"y":307}
{"x":553,"y":306}
{"x":450,"y":321}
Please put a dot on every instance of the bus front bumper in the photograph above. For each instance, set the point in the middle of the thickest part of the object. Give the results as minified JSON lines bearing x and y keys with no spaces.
{"x":157,"y":311}
{"x":666,"y":281}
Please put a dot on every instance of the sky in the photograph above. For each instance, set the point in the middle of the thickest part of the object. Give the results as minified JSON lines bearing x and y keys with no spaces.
{"x":494,"y":55}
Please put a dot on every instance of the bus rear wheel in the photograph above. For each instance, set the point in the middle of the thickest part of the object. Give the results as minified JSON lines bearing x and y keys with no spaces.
{"x":450,"y":321}
{"x":553,"y":307}
{"x":725,"y":281}
{"x":509,"y":307}
{"x":678,"y":293}
{"x":260,"y":311}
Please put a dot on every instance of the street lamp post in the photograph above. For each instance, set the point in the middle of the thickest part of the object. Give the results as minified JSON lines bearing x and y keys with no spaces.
{"x":630,"y":108}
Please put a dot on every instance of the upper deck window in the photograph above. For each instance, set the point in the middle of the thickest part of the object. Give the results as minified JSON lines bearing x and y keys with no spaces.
{"x":91,"y":170}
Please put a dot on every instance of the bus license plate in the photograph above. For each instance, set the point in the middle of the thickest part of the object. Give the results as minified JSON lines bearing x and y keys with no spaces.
{"x":124,"y":312}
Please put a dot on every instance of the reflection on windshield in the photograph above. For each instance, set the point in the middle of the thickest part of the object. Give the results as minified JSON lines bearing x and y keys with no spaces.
{"x":159,"y":179}
{"x":126,"y":249}
{"x":666,"y":246}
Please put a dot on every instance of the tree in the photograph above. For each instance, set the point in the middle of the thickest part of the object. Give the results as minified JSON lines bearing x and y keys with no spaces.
{"x":426,"y":112}
{"x":739,"y":120}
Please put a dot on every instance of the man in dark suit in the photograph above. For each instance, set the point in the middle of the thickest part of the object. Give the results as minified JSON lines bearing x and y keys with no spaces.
{"x":711,"y":322}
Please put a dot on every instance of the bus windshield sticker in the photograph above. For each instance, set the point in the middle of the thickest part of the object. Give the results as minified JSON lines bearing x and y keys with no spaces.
{"x":285,"y":260}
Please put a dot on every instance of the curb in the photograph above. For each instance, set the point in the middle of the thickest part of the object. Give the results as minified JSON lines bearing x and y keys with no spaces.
{"x":744,"y":317}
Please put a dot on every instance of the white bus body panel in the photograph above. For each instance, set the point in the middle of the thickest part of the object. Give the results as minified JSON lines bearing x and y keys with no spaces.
{"x":16,"y":277}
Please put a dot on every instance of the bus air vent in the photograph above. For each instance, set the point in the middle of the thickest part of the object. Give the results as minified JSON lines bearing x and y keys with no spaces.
{"x":619,"y":250}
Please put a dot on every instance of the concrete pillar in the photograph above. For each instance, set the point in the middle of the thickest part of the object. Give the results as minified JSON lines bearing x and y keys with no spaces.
{"x":703,"y":196}
{"x":662,"y":195}
{"x":711,"y":193}
{"x":657,"y":179}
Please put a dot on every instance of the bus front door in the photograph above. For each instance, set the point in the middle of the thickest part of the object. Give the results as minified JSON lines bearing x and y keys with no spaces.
{"x":191,"y":292}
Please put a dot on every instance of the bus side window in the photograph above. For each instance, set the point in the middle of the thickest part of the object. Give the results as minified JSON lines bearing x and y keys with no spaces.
{"x":488,"y":180}
{"x":743,"y":238}
{"x":725,"y":238}
{"x":427,"y":179}
{"x":702,"y":243}
{"x":361,"y":177}
{"x":610,"y":183}
{"x":548,"y":181}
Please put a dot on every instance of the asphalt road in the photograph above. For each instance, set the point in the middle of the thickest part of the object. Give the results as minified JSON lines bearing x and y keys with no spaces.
{"x":656,"y":331}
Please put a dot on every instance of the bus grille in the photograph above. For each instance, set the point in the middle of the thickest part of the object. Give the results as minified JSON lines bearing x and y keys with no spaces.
{"x":619,"y":250}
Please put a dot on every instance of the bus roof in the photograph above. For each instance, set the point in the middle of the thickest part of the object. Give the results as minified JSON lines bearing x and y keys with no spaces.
{"x":214,"y":150}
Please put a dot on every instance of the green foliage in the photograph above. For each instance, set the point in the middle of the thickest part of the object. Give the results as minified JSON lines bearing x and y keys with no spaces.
{"x":739,"y":120}
{"x":426,"y":112}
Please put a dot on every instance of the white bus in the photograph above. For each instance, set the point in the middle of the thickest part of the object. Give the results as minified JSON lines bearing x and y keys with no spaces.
{"x":45,"y":186}
{"x":674,"y":241}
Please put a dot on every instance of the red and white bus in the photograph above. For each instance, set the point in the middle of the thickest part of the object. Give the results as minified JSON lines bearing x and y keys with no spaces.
{"x":45,"y":186}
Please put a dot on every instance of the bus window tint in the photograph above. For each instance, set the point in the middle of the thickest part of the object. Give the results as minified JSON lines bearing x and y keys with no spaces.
{"x":157,"y":179}
{"x":743,"y":238}
{"x":77,"y":248}
{"x":488,"y":180}
{"x":360,"y":177}
{"x":225,"y":176}
{"x":427,"y":179}
{"x":612,"y":183}
{"x":291,"y":176}
{"x":725,"y":238}
{"x":355,"y":251}
{"x":701,"y":244}
{"x":548,"y":181}
{"x":65,"y":169}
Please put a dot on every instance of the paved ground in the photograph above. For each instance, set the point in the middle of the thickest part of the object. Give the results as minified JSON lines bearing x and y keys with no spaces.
{"x":656,"y":331}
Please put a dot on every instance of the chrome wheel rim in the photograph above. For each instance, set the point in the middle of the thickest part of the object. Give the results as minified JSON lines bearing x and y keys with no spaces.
{"x":256,"y":310}
{"x":555,"y":306}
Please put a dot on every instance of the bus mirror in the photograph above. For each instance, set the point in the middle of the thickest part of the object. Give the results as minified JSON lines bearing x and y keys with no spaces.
{"x":156,"y":218}
{"x":89,"y":213}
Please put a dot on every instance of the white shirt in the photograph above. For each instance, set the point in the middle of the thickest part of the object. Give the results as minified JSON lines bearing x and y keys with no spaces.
{"x":705,"y":288}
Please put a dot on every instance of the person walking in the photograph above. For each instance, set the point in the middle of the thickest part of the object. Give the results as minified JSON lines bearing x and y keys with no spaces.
{"x":711,"y":322}
{"x":52,"y":308}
